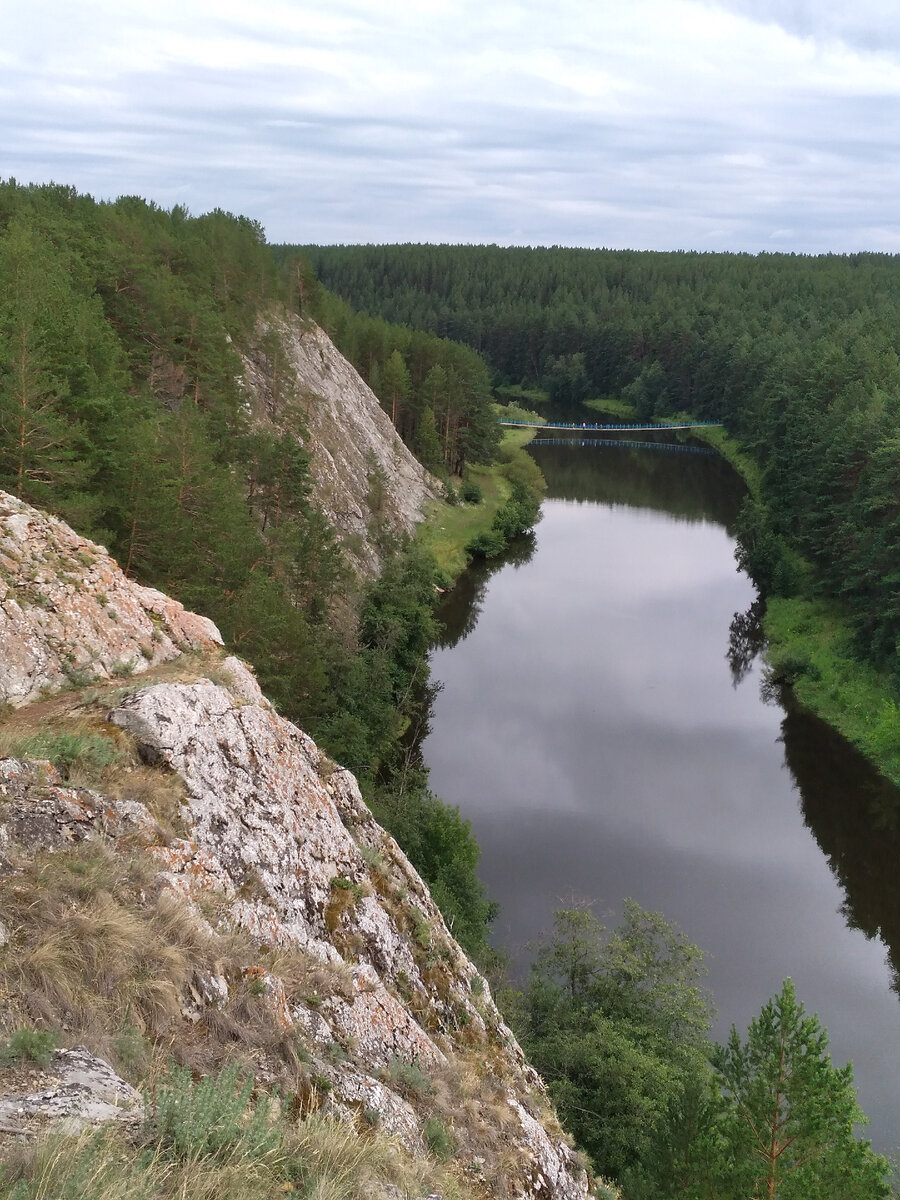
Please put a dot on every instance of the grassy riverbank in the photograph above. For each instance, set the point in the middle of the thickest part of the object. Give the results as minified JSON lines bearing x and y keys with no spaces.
{"x":448,"y":528}
{"x":810,"y":640}
{"x":810,"y":646}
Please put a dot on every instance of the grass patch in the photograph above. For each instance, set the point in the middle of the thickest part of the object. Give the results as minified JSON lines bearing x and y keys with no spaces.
{"x":89,"y":951}
{"x":811,"y":641}
{"x":217,"y":1139}
{"x":613,"y":407}
{"x":448,"y":528}
{"x":88,"y":750}
{"x":438,"y":1138}
{"x":409,"y":1078}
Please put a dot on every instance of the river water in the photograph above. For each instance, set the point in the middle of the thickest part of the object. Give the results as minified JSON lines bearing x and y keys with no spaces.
{"x":603,"y":725}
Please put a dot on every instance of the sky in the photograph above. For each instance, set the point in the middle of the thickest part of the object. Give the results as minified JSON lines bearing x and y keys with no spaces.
{"x":743,"y":125}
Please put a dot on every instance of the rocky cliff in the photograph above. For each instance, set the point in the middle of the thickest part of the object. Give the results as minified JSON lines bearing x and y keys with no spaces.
{"x":179,"y":861}
{"x":365,"y":480}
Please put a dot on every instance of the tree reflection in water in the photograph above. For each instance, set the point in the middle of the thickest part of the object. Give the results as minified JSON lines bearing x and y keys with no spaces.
{"x":854,"y":815}
{"x":745,"y":640}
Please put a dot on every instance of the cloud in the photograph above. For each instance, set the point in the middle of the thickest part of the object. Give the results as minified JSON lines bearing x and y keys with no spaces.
{"x":663,"y":123}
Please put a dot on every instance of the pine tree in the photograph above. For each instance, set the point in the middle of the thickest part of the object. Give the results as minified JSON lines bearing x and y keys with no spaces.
{"x":790,"y":1128}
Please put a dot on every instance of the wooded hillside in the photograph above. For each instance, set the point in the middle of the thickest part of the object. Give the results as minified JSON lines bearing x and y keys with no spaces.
{"x":798,"y":355}
{"x":121,"y":410}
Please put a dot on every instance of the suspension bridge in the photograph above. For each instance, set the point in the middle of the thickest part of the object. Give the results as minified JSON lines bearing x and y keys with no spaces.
{"x":580,"y":425}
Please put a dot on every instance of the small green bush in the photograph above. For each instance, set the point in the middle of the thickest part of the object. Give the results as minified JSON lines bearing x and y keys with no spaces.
{"x":486,"y":545}
{"x":409,"y":1077}
{"x":34,"y":1045}
{"x":789,"y":666}
{"x":340,"y":883}
{"x":470,"y":492}
{"x":335,"y":1054}
{"x":213,"y":1117}
{"x":438,"y":1139}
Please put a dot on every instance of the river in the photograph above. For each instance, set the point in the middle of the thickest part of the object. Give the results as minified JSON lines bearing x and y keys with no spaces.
{"x":603,"y":724}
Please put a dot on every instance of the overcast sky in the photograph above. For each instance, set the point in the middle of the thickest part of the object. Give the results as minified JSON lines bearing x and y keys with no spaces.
{"x":653,"y":124}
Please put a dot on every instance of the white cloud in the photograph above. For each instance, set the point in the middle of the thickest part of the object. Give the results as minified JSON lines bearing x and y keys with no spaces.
{"x":662,"y":123}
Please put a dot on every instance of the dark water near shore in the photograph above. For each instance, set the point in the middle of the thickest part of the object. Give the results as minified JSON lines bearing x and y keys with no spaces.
{"x":602,"y":726}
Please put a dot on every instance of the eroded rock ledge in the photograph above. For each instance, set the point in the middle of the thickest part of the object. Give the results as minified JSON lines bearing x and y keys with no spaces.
{"x":69,"y":615}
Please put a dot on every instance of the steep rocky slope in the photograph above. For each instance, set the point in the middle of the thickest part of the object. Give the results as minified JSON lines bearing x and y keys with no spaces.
{"x":250,"y":902}
{"x":67,"y":613}
{"x":364,"y":479}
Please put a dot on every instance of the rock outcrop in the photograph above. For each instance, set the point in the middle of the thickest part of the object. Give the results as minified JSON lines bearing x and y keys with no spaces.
{"x":348,"y":955}
{"x":76,"y":1090}
{"x":365,"y":480}
{"x":68,"y":615}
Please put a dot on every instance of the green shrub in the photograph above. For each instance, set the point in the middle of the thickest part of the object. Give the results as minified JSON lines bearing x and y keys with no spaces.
{"x":335,"y":1054}
{"x":790,"y":665}
{"x":213,"y":1117}
{"x":470,"y":492}
{"x":409,"y":1077}
{"x":438,"y":1138}
{"x":34,"y":1045}
{"x":486,"y":545}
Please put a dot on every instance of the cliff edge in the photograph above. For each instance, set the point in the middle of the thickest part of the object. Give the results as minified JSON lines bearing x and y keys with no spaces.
{"x":364,"y":479}
{"x":179,"y":860}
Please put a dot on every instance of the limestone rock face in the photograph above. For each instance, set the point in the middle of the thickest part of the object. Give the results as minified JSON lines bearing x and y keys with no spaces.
{"x":363,"y":475}
{"x":69,"y":614}
{"x":273,"y":848}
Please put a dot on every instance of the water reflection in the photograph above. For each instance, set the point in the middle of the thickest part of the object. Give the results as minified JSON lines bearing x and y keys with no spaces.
{"x":458,"y":614}
{"x":745,"y":640}
{"x":600,"y":742}
{"x":620,"y":444}
{"x":854,"y":815}
{"x":693,"y":488}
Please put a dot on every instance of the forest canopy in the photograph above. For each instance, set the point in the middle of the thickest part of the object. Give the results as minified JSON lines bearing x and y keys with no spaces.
{"x":121,"y":410}
{"x":799,"y":356}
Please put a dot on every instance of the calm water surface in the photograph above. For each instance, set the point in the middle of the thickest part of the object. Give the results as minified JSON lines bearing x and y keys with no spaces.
{"x":601,"y":724}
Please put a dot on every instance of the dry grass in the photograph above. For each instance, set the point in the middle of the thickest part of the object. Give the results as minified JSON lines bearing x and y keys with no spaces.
{"x":307,"y":979}
{"x":316,"y":1158}
{"x":99,"y":951}
{"x":90,"y":948}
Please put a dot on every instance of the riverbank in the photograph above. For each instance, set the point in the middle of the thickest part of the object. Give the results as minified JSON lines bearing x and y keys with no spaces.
{"x":449,"y":528}
{"x":809,"y":647}
{"x":809,"y":641}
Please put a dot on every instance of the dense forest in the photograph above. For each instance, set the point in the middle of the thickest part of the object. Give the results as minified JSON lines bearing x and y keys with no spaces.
{"x":121,"y":410}
{"x":121,"y":327}
{"x":797,"y":355}
{"x":436,"y":391}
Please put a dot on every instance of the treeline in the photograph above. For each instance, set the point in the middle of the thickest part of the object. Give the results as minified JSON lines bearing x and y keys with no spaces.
{"x":617,"y":1022}
{"x":799,"y":356}
{"x":437,"y":392}
{"x":121,"y":410}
